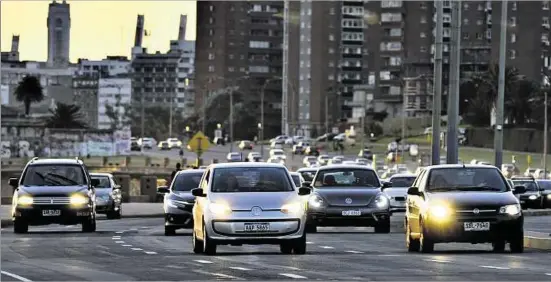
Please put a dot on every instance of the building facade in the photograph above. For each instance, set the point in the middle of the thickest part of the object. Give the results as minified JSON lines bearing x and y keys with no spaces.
{"x":116,"y":92}
{"x":108,"y":67}
{"x":59,"y":34}
{"x":85,"y":89}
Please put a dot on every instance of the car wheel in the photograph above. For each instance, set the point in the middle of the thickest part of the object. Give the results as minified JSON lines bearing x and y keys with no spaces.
{"x":517,"y":244}
{"x":209,"y":247}
{"x":311,"y":228}
{"x":299,"y":246}
{"x":118,"y":213}
{"x":425,"y":243}
{"x":286,"y":248}
{"x":170,"y":231}
{"x":89,"y":225}
{"x":110,"y":215}
{"x":411,"y":244}
{"x":20,"y":227}
{"x":383,"y":227}
{"x":197,"y":244}
{"x":498,"y":246}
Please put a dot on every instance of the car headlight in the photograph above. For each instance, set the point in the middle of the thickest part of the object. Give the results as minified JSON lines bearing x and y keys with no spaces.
{"x":219,"y":209}
{"x":549,"y":196}
{"x":510,"y":209}
{"x":315,"y":201}
{"x":78,"y":200}
{"x":440,"y":212}
{"x":294,"y":208}
{"x":533,"y":197}
{"x":381,"y":201}
{"x":25,"y":200}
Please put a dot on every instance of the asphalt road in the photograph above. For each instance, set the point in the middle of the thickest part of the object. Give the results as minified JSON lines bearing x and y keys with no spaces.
{"x":136,"y":249}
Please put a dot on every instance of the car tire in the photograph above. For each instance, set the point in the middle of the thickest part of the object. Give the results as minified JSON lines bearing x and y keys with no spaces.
{"x":286,"y":248}
{"x":197,"y":244}
{"x":20,"y":227}
{"x":118,"y":213}
{"x":516,"y":245}
{"x":89,"y":225}
{"x":170,"y":231}
{"x":426,"y":244}
{"x":498,"y":246}
{"x":209,"y":247}
{"x":412,"y":245}
{"x":310,"y":228}
{"x":383,"y":227}
{"x":299,"y":246}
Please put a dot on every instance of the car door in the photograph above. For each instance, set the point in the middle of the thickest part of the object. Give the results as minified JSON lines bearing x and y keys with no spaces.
{"x":200,"y":203}
{"x":414,"y":204}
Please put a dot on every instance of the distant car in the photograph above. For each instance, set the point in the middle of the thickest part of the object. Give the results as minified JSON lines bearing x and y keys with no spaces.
{"x":163,"y":145}
{"x":254,"y":156}
{"x":278,"y":153}
{"x":146,"y":143}
{"x":246,"y":145}
{"x":134,"y":145}
{"x":174,"y":143}
{"x":312,"y":150}
{"x":545,"y":186}
{"x":532,"y":197}
{"x":108,"y":195}
{"x":307,"y":173}
{"x":308,"y":159}
{"x":296,"y":178}
{"x":234,"y":157}
{"x":300,"y":147}
{"x":323,"y":159}
{"x":276,"y":160}
{"x":366,"y":153}
{"x":397,"y":192}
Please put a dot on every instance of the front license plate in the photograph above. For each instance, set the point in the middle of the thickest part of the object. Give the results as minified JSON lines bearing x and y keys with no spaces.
{"x":257,"y":227}
{"x":477,"y":226}
{"x":351,"y":213}
{"x":51,"y":213}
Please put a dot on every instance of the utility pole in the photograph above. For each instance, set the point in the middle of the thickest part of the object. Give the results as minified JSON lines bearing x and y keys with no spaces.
{"x":437,"y":99}
{"x":204,"y":110}
{"x":545,"y":131}
{"x":498,"y":131}
{"x":453,"y":93}
{"x":143,"y":116}
{"x":285,"y":74}
{"x":231,"y":119}
{"x":170,"y":121}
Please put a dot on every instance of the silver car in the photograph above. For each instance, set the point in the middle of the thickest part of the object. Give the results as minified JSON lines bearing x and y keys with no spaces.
{"x":248,"y":203}
{"x":398,"y":192}
{"x":108,"y":195}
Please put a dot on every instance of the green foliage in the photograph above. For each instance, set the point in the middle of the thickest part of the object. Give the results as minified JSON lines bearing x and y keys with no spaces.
{"x":66,"y":116}
{"x":29,"y":91}
{"x":156,"y":121}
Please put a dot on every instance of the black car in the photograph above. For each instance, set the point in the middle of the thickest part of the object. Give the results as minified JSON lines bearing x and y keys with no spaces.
{"x":366,"y":153}
{"x":134,"y":146}
{"x":464,"y":204}
{"x":108,"y":195}
{"x":54,"y":191}
{"x":532,"y":197}
{"x":347,"y":195}
{"x":178,"y":201}
{"x":545,"y":186}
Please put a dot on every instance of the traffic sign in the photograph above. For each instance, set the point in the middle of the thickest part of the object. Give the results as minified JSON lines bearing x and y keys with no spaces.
{"x":199,"y":143}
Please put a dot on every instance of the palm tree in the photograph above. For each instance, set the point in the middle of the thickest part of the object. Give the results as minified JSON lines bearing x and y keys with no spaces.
{"x":29,"y":91}
{"x":65,"y":116}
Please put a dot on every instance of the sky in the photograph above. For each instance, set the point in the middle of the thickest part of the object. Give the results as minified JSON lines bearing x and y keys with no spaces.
{"x":98,"y":27}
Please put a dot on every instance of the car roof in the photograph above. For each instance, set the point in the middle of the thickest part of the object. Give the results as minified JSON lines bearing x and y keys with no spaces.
{"x":403,"y":175}
{"x":459,"y":166}
{"x":101,"y":174}
{"x":246,"y":164}
{"x":294,"y":173}
{"x":334,"y":166}
{"x":307,"y":169}
{"x":37,"y":161}
{"x":189,"y":171}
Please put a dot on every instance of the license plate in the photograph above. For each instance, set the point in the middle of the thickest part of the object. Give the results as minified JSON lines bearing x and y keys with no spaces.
{"x":257,"y":227}
{"x":351,"y":213}
{"x":522,"y":202}
{"x":51,"y":213}
{"x":477,"y":226}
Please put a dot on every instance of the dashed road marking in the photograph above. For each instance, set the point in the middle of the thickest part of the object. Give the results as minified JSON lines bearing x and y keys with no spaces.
{"x":240,"y":268}
{"x":388,"y":255}
{"x":548,"y":274}
{"x":137,"y":249}
{"x":119,"y":242}
{"x":326,"y":247}
{"x":221,"y":275}
{"x":294,"y":276}
{"x":355,"y":252}
{"x":127,"y":245}
{"x":438,"y":260}
{"x":494,"y":267}
{"x":151,"y":253}
{"x":116,"y":238}
{"x":15,"y":276}
{"x":202,"y":261}
{"x":119,"y":232}
{"x":309,"y":242}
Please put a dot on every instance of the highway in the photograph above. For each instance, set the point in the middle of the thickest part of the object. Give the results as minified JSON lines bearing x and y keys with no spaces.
{"x":136,"y":249}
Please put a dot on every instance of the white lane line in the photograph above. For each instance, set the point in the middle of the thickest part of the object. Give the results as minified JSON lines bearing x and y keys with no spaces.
{"x":294,"y":276}
{"x":438,"y":260}
{"x":151,"y":253}
{"x":388,"y":255}
{"x":326,"y":247}
{"x":119,"y":232}
{"x":127,"y":245}
{"x":309,"y":242}
{"x":240,"y":268}
{"x":202,"y":261}
{"x":355,"y":252}
{"x":494,"y":267}
{"x":137,"y":249}
{"x":116,"y":237}
{"x":119,"y":242}
{"x":221,"y":275}
{"x":15,"y":276}
{"x":548,"y":274}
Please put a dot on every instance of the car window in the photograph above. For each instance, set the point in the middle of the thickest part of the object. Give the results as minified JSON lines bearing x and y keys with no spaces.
{"x":186,"y":181}
{"x":54,"y":175}
{"x":296,"y":179}
{"x":308,"y":175}
{"x":104,"y":181}
{"x":402,"y":181}
{"x":546,"y":185}
{"x":530,"y":185}
{"x":205,"y":183}
{"x":346,"y":177}
{"x":251,"y":179}
{"x":465,"y":179}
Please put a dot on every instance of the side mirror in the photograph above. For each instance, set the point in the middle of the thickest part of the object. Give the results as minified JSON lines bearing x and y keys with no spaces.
{"x":197,"y":192}
{"x":116,"y":187}
{"x":306,"y":184}
{"x":95,"y":182}
{"x":14,"y":182}
{"x":302,"y":191}
{"x":414,"y":191}
{"x":163,"y":190}
{"x":519,"y":189}
{"x":386,"y":184}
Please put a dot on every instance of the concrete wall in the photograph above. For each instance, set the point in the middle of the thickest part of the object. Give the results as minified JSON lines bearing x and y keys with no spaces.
{"x":514,"y":139}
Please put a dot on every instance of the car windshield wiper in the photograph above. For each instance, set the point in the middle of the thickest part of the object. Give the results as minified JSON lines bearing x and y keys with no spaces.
{"x":479,"y":188}
{"x":444,"y":189}
{"x":63,"y":177}
{"x":51,"y":181}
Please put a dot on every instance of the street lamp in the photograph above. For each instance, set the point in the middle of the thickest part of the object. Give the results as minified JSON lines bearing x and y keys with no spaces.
{"x":260,"y":136}
{"x":545,"y":125}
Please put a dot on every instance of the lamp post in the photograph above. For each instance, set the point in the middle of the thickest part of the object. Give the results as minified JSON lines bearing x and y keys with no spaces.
{"x":260,"y":133}
{"x":545,"y":125}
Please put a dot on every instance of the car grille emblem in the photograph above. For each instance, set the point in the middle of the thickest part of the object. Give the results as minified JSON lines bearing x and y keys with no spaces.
{"x":476,"y":211}
{"x":51,"y":200}
{"x":348,"y":201}
{"x":256,"y":211}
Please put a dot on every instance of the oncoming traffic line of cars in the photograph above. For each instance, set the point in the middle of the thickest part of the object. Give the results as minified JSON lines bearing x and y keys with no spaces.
{"x":263,"y":203}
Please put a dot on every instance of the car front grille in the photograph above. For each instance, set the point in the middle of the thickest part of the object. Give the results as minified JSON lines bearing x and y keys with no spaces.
{"x":401,"y":199}
{"x":477,"y":210}
{"x":51,"y":200}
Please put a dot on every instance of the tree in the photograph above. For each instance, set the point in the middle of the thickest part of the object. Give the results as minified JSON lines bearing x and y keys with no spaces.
{"x":156,"y":121}
{"x":65,"y":116}
{"x":29,"y":91}
{"x":520,"y":102}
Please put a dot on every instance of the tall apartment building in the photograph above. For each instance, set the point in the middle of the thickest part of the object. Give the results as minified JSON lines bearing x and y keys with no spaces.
{"x":108,"y":67}
{"x":85,"y":90}
{"x":240,"y":44}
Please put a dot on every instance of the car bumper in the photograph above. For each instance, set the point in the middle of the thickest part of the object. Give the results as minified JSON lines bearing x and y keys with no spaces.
{"x":333,"y":216}
{"x":104,"y":206}
{"x":526,"y":202}
{"x":501,"y":228}
{"x":179,"y":216}
{"x":68,"y":215}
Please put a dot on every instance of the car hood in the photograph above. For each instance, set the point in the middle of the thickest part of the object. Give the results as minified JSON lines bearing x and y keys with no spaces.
{"x":396,"y":191}
{"x":52,"y":190}
{"x":181,"y":196}
{"x":103,"y":191}
{"x":338,"y":196}
{"x":264,"y":200}
{"x":474,"y":199}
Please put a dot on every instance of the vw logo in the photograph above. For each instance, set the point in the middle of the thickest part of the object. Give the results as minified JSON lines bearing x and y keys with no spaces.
{"x":51,"y":200}
{"x":256,"y":211}
{"x":348,"y":201}
{"x":476,"y":211}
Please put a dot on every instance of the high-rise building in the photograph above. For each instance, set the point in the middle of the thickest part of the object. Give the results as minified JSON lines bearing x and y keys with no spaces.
{"x":108,"y":67}
{"x":85,"y":89}
{"x":59,"y":34}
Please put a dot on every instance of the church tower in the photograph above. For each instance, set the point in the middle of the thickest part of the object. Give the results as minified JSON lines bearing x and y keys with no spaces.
{"x":59,"y":32}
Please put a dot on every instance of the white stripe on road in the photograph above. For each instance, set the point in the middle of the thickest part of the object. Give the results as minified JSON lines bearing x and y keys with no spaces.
{"x":355,"y":252}
{"x":240,"y":268}
{"x":116,"y":237}
{"x":494,"y":267}
{"x":389,"y":255}
{"x":326,"y":247}
{"x":127,"y":245}
{"x":202,"y":261}
{"x":151,"y":253}
{"x":221,"y":275}
{"x":119,"y":232}
{"x":548,"y":274}
{"x":438,"y":260}
{"x":294,"y":276}
{"x":137,"y":249}
{"x":309,"y":242}
{"x":15,"y":276}
{"x":119,"y":242}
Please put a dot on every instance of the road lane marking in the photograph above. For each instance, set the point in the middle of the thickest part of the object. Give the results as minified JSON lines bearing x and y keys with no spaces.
{"x":355,"y":252}
{"x":294,"y":276}
{"x":438,"y":260}
{"x":240,"y":268}
{"x":15,"y":276}
{"x":119,"y":242}
{"x":137,"y":249}
{"x":548,"y":274}
{"x":326,"y":247}
{"x":494,"y":267}
{"x":127,"y":245}
{"x":151,"y":253}
{"x":116,"y":237}
{"x":309,"y":242}
{"x":388,"y":255}
{"x":119,"y":232}
{"x":202,"y":261}
{"x":221,"y":275}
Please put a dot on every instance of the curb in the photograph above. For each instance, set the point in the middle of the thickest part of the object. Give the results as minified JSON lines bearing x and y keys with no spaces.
{"x":537,"y":243}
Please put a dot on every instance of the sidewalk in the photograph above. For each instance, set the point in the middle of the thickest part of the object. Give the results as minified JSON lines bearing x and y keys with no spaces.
{"x":537,"y":240}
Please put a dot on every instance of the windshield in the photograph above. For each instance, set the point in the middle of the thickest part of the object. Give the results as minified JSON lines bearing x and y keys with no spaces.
{"x":251,"y":179}
{"x":296,"y":179}
{"x":346,"y":177}
{"x":186,"y":181}
{"x":402,"y":181}
{"x":545,"y":184}
{"x":530,"y":185}
{"x":54,"y":175}
{"x":104,"y":181}
{"x":308,"y":175}
{"x":447,"y":179}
